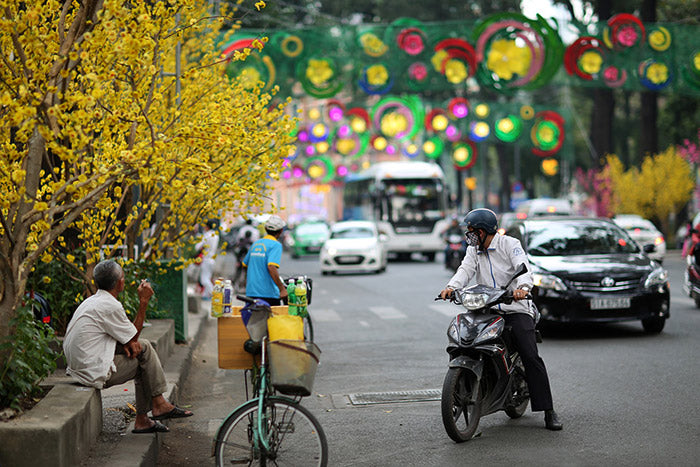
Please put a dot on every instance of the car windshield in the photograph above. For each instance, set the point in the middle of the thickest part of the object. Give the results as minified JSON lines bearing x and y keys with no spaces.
{"x":311,"y":229}
{"x":577,"y":238}
{"x":353,"y":232}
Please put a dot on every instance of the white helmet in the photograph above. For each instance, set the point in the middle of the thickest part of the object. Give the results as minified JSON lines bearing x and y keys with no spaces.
{"x":275,"y":223}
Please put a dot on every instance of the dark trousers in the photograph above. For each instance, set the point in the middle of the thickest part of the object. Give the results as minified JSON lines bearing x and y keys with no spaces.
{"x":523,"y":338}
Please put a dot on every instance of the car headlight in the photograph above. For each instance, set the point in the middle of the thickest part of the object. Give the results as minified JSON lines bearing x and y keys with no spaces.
{"x":332,"y":251}
{"x":658,"y":276}
{"x":548,"y":281}
{"x":290,"y":241}
{"x":474,"y":301}
{"x":491,"y":331}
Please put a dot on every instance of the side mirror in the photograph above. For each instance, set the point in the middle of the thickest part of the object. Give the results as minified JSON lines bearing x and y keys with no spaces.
{"x":649,"y":248}
{"x":522,"y":269}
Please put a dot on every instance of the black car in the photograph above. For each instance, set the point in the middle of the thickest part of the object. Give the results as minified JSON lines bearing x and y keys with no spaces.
{"x":589,"y":269}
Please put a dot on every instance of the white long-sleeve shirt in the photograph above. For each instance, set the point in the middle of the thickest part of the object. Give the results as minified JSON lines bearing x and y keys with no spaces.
{"x":494,"y":267}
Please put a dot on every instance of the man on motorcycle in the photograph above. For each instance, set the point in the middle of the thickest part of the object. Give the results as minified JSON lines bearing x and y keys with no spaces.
{"x":450,"y":230}
{"x":492,"y":259}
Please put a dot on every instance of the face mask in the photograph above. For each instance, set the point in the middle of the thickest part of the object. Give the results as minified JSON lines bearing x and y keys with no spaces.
{"x":473,"y":238}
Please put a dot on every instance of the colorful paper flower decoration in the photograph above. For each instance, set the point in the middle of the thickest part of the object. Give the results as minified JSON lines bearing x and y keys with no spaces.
{"x":379,"y":142}
{"x":527,"y":112}
{"x":373,"y":45}
{"x":320,"y":169}
{"x":479,"y":131}
{"x":550,"y":167}
{"x":614,"y":77}
{"x":660,"y":39}
{"x":514,"y":51}
{"x":433,"y":147}
{"x":255,"y":68}
{"x":482,"y":110}
{"x":690,"y":69}
{"x":436,"y":120}
{"x":318,"y":77}
{"x":508,"y":128}
{"x":654,"y":75}
{"x":398,"y":118}
{"x":375,"y":79}
{"x":464,"y":155}
{"x":292,"y":46}
{"x":410,"y":150}
{"x":454,"y":58}
{"x":418,"y":71}
{"x":574,"y":62}
{"x":547,"y":133}
{"x":623,"y":31}
{"x":411,"y":41}
{"x":359,"y":119}
{"x":458,"y":107}
{"x":335,"y":110}
{"x":319,"y":132}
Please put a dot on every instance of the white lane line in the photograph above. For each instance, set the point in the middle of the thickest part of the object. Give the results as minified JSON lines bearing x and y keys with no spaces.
{"x":447,"y":309}
{"x":324,"y":314}
{"x":387,"y":312}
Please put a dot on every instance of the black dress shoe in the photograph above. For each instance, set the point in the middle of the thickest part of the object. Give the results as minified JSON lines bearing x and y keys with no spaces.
{"x":551,"y":421}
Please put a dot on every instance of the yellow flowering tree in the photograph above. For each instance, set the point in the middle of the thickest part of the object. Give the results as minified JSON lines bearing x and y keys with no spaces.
{"x":99,"y":137}
{"x":659,"y":188}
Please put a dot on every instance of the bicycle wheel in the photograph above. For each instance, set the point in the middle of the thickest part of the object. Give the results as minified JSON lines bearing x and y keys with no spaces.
{"x":308,"y":328}
{"x":295,"y":436}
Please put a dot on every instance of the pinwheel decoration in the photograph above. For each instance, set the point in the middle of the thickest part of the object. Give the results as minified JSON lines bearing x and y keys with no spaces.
{"x":623,"y":31}
{"x":464,"y":155}
{"x":455,"y":59}
{"x":397,"y":117}
{"x":319,"y":77}
{"x":256,"y":67}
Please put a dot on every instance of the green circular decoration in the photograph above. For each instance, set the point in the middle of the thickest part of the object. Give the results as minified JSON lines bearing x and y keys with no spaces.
{"x":508,"y":128}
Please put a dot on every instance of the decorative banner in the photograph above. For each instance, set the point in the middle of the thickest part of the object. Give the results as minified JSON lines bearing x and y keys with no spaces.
{"x":464,"y":155}
{"x":547,"y":133}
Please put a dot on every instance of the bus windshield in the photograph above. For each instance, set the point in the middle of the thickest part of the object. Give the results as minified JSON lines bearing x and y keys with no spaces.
{"x":409,"y":204}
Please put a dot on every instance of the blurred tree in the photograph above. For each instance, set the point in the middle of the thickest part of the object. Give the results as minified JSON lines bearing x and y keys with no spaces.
{"x":103,"y":133}
{"x":656,"y":191}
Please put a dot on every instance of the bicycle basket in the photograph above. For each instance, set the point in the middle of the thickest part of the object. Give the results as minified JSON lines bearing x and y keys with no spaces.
{"x":293,"y":366}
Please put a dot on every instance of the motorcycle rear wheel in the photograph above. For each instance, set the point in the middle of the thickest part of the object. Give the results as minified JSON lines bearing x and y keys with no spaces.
{"x":521,"y":394}
{"x":460,"y":415}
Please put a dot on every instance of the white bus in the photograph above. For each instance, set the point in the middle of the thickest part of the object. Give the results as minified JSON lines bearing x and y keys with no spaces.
{"x":407,"y":200}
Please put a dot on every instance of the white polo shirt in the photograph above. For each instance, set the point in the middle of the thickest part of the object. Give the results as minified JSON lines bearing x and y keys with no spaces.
{"x":91,"y":338}
{"x":494,"y":268}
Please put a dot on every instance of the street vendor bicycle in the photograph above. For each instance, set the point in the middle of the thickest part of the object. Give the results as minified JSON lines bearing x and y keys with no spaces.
{"x":272,"y":429}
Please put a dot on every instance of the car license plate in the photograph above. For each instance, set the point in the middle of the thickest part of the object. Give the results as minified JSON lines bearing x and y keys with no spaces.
{"x":314,"y":249}
{"x":610,"y":303}
{"x":348,"y":259}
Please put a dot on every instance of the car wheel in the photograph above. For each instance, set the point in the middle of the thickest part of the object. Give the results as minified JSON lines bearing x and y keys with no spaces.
{"x":653,"y":325}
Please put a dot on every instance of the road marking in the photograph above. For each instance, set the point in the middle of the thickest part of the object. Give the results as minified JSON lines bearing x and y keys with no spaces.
{"x":324,"y":314}
{"x":446,"y":309}
{"x":387,"y":312}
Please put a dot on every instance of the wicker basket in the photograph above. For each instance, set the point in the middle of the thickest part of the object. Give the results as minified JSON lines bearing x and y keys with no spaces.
{"x":293,"y":366}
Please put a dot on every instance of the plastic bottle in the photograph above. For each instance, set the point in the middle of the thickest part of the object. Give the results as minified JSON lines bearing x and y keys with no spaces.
{"x":291,"y":298}
{"x":227,"y":301}
{"x":300,"y":293}
{"x":217,"y":299}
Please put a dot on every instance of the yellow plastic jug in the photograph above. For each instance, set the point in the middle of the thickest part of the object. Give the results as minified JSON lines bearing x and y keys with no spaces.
{"x":285,"y":327}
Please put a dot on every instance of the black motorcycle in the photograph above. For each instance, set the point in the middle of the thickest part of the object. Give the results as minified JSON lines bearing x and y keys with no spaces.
{"x":485,"y":374}
{"x":455,"y":251}
{"x":691,"y":280}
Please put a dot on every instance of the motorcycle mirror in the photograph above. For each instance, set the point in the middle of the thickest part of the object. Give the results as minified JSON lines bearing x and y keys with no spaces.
{"x":522,"y":269}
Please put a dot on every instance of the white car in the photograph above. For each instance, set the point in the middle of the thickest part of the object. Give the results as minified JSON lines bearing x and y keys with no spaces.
{"x":643,"y":232}
{"x":354,"y":246}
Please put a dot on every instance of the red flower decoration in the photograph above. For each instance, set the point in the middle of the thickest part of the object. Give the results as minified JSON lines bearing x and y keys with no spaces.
{"x":627,"y":36}
{"x":411,"y":41}
{"x":418,"y":71}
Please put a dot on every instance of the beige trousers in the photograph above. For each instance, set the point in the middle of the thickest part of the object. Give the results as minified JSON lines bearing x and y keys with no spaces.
{"x":145,"y":370}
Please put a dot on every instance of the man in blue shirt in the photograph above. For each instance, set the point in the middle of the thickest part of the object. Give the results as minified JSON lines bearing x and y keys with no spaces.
{"x":262,"y":263}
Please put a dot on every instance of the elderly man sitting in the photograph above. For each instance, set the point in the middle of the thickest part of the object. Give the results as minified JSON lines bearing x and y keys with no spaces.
{"x":103,"y":349}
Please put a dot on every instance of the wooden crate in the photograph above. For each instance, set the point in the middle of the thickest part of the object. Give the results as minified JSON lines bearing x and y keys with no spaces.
{"x":232,"y":334}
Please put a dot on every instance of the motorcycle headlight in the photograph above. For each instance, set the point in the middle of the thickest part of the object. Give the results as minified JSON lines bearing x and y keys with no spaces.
{"x":474,"y":301}
{"x":491,"y":331}
{"x":658,"y":276}
{"x":548,"y":281}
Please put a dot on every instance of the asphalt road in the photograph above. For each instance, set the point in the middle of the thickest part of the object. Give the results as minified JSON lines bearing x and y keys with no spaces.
{"x":625,"y":397}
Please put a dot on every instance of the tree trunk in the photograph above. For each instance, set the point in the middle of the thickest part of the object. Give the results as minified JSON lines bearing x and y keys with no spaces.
{"x":504,"y":168}
{"x":601,"y":124}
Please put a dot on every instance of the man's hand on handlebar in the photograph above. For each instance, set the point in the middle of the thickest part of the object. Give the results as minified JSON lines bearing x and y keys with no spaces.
{"x":521,"y":294}
{"x":446,"y":293}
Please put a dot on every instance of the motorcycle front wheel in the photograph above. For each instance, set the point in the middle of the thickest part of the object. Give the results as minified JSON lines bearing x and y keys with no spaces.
{"x":461,"y":409}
